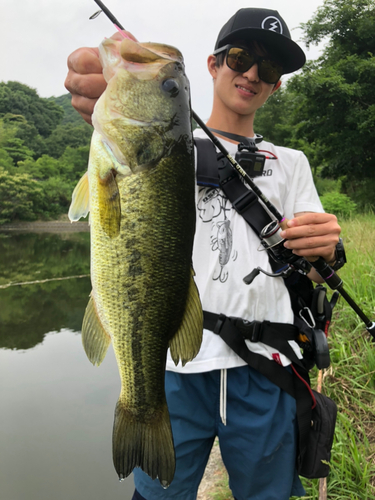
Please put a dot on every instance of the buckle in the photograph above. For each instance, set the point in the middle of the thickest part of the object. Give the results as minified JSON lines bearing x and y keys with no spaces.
{"x":255,"y":331}
{"x":244,"y":201}
{"x":219,"y":324}
{"x":250,"y":330}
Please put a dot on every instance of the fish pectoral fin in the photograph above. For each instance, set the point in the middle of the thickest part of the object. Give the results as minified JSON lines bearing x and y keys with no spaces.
{"x":110,"y":204}
{"x":95,"y":339}
{"x":186,"y":343}
{"x":80,"y":204}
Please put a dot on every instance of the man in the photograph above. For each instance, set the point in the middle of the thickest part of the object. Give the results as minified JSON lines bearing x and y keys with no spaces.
{"x":218,"y":394}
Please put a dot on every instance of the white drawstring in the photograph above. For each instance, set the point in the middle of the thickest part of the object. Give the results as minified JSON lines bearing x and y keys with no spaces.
{"x":223,"y":396}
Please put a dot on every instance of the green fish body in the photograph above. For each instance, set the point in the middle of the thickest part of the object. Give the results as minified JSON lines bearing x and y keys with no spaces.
{"x":139,"y":189}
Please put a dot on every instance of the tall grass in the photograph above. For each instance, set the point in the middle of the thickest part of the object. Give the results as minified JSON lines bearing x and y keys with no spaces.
{"x":350,"y":380}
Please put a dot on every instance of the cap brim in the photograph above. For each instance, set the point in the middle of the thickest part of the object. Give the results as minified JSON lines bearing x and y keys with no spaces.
{"x":288,"y":52}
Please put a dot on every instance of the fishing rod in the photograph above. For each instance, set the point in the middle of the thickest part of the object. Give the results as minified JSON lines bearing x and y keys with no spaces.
{"x":271,"y":233}
{"x":108,"y":13}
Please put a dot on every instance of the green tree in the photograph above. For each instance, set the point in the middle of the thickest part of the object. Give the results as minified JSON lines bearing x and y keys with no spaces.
{"x":74,"y":162}
{"x":41,"y":169}
{"x":17,"y":150}
{"x":6,"y":162}
{"x":17,"y":127}
{"x":67,"y":135}
{"x":17,"y":98}
{"x":18,"y":195}
{"x":70,"y":114}
{"x":336,"y":108}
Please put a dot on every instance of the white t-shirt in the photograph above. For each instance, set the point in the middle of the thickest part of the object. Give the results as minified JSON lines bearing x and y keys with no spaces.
{"x":226,"y":250}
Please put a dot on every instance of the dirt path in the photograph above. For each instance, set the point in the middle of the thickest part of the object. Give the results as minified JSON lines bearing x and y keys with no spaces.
{"x":215,"y":478}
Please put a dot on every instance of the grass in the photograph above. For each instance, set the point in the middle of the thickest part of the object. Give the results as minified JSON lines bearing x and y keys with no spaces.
{"x":350,"y":380}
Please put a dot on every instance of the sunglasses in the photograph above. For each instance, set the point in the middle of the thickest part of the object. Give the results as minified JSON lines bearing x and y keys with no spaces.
{"x":241,"y":60}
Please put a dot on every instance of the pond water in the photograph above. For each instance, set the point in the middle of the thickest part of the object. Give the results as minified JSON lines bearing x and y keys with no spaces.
{"x":56,"y":408}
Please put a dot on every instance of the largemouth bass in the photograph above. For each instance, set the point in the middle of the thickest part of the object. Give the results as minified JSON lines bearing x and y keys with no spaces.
{"x":139,"y":190}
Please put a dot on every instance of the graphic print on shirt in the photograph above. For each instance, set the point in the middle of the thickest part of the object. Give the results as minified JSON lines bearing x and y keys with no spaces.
{"x":213,"y":209}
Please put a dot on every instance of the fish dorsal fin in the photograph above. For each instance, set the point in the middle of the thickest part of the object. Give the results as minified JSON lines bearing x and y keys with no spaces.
{"x":186,"y":343}
{"x":95,"y":339}
{"x":80,"y":204}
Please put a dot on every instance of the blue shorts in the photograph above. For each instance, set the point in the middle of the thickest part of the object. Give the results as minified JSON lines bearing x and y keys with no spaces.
{"x":258,"y":444}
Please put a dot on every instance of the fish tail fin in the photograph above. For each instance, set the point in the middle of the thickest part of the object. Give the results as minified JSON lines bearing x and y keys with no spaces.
{"x":148,"y":445}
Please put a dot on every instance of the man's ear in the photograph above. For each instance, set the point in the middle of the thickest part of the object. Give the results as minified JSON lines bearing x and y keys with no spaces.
{"x":276,"y":87}
{"x":211,"y":65}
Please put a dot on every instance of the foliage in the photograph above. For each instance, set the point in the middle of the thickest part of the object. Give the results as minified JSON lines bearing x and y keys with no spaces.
{"x":6,"y":161}
{"x":40,"y":165}
{"x":324,"y":186}
{"x":18,"y":196}
{"x":361,"y":191}
{"x":337,"y":102}
{"x":70,"y":114}
{"x":70,"y":135}
{"x":17,"y":98}
{"x":338,"y":204}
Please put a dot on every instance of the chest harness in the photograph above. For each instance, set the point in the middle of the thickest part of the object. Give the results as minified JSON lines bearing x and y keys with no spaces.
{"x":312,"y":311}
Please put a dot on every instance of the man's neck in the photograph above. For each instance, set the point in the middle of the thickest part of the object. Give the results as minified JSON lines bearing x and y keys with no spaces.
{"x":235,"y":124}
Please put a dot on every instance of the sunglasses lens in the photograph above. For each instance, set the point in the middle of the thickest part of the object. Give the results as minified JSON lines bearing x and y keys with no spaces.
{"x":269,"y":71}
{"x":239,"y":59}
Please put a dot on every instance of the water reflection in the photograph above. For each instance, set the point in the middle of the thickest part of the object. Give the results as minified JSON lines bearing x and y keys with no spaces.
{"x":56,"y":409}
{"x":28,"y":312}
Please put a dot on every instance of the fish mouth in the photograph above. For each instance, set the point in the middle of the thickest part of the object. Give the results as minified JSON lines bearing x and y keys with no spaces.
{"x":142,"y":60}
{"x":148,"y":53}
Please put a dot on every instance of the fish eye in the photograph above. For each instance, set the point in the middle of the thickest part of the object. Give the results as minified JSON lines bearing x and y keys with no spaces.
{"x":171,"y":86}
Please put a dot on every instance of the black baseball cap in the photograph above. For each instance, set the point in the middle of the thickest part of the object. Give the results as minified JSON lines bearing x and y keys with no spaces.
{"x":267,"y":26}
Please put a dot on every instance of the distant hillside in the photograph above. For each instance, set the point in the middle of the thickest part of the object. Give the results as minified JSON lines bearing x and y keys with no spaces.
{"x":70,"y":114}
{"x":44,"y":150}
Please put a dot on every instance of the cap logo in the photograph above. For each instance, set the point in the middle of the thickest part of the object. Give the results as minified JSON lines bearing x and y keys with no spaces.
{"x":272,"y":23}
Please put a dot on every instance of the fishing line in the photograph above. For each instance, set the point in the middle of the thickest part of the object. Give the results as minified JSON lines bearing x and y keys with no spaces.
{"x":110,"y":16}
{"x":44,"y":281}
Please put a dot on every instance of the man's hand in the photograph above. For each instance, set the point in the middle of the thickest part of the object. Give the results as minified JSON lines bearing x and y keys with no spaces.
{"x":85,"y":79}
{"x":313,"y":235}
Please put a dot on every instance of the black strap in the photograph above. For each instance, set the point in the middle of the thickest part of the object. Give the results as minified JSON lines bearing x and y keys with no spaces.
{"x":275,"y":335}
{"x":207,"y":174}
{"x":248,"y":141}
{"x":214,"y":170}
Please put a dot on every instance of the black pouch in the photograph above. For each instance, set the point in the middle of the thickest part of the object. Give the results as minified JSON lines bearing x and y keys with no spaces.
{"x":315,"y":462}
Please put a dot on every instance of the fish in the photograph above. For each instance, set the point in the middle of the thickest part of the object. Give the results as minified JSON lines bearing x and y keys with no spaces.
{"x":139,"y":189}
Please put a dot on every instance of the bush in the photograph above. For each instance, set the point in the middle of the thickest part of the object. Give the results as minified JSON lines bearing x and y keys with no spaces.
{"x":324,"y":185}
{"x":361,"y":191}
{"x":18,"y":194}
{"x":338,"y":204}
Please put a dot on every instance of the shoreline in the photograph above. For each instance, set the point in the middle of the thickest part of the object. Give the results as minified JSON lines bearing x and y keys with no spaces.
{"x":57,"y":226}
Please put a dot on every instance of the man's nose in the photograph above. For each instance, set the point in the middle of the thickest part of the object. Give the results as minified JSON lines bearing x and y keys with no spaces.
{"x":252,"y":73}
